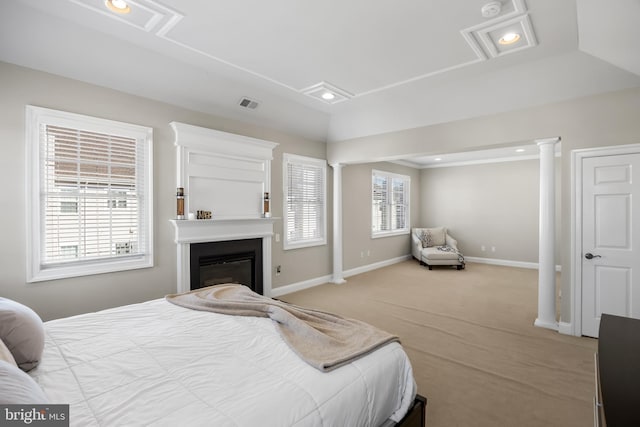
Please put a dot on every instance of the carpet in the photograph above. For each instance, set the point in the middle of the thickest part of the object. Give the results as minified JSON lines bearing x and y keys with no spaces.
{"x":469,"y":334}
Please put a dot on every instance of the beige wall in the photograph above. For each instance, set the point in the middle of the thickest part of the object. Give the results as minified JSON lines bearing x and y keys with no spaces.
{"x":490,"y":205}
{"x":595,"y":121}
{"x":359,"y":249}
{"x":21,"y":86}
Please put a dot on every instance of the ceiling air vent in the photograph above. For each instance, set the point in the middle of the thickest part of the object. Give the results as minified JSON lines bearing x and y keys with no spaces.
{"x":248,"y":103}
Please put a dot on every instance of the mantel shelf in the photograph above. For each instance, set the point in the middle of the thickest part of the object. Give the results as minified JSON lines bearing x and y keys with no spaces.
{"x":213,"y":230}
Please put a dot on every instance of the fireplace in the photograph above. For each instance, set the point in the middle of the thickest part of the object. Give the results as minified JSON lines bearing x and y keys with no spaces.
{"x":233,"y":261}
{"x":227,"y":174}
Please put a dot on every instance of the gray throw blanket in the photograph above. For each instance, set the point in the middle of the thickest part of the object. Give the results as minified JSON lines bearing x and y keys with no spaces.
{"x":325,"y":341}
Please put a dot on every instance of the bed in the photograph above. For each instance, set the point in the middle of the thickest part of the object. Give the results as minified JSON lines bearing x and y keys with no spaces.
{"x":156,"y":363}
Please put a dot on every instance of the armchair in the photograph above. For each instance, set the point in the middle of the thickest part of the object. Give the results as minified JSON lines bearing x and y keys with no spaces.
{"x":434,"y":246}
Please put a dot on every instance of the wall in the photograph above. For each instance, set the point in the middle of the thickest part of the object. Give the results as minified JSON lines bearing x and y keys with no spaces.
{"x":21,"y":86}
{"x":359,"y":249}
{"x":594,"y":121}
{"x":491,"y":205}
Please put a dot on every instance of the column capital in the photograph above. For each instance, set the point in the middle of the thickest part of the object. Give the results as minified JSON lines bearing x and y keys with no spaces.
{"x":545,"y":141}
{"x":336,"y":165}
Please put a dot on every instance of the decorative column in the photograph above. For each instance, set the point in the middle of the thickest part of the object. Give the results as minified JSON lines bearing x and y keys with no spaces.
{"x":337,"y":224}
{"x":547,"y":254}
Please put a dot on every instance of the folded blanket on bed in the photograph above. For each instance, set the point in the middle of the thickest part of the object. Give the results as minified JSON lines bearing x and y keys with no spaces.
{"x":325,"y":341}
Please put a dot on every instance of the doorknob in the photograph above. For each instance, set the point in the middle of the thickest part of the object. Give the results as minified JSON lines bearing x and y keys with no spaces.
{"x":589,"y":255}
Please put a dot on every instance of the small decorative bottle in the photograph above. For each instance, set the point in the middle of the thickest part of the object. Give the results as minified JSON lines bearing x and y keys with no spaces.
{"x":265,"y":205}
{"x":180,"y":203}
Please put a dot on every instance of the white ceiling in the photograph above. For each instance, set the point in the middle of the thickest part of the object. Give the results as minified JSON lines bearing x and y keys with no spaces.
{"x":400,"y":64}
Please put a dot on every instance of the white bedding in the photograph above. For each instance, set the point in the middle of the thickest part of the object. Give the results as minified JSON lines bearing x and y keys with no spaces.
{"x":159,"y":364}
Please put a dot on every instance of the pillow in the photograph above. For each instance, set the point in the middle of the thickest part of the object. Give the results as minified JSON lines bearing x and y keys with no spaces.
{"x":22,"y":331}
{"x":6,"y":355}
{"x":433,"y":237}
{"x":18,"y":388}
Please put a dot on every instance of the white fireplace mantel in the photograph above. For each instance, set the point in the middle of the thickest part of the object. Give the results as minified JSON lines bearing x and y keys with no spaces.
{"x":228,"y":175}
{"x":212,"y":230}
{"x":217,"y":230}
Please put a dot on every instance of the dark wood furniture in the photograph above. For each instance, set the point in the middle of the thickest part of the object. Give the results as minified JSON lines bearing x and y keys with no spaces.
{"x":618,"y":370}
{"x":416,"y":416}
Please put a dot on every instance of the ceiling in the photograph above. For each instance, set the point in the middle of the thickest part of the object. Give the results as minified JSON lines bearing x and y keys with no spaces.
{"x":391,"y":65}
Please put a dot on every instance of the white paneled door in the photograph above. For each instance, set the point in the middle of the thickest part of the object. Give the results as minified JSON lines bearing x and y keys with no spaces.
{"x":611,"y":200}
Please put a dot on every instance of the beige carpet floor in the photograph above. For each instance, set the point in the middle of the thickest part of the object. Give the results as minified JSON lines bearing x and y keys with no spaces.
{"x":469,"y":334}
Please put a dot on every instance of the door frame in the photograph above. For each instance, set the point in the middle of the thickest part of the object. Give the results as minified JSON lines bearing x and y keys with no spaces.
{"x":576,"y":223}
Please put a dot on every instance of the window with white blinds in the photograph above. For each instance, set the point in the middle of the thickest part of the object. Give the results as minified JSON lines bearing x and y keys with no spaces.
{"x":91,"y":195}
{"x":305,"y":207}
{"x":390,"y":204}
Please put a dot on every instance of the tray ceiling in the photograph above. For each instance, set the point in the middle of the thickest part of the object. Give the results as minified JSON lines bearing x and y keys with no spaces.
{"x":391,"y":65}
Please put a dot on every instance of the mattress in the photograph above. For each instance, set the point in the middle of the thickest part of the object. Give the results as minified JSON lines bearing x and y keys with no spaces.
{"x":156,"y":363}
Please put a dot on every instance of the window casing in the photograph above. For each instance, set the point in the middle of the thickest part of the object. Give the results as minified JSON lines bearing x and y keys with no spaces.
{"x":89,"y":195}
{"x":305,"y":201}
{"x":390,"y":204}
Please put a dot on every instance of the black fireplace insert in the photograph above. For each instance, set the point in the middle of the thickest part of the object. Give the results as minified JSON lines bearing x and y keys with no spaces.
{"x":233,"y":261}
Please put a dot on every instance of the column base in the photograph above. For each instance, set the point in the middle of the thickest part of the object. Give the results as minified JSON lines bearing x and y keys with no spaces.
{"x":545,"y":324}
{"x":339,"y":281}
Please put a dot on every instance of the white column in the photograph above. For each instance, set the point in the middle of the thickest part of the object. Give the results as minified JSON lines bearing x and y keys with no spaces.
{"x":337,"y":224}
{"x":547,"y":254}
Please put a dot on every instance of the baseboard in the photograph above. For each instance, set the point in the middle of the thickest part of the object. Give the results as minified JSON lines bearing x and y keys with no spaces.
{"x":506,"y":262}
{"x":294,"y":287}
{"x":375,"y":266}
{"x":299,"y":286}
{"x":565,"y":328}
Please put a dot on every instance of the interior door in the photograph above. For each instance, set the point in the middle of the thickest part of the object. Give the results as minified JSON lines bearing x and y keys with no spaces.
{"x":610,"y":197}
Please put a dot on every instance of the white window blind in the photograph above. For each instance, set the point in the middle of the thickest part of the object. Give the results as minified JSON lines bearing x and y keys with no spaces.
{"x":390,"y":203}
{"x":305,"y":201}
{"x":93,"y":184}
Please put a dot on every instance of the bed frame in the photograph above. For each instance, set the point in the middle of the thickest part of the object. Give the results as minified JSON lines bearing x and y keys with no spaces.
{"x":416,"y":416}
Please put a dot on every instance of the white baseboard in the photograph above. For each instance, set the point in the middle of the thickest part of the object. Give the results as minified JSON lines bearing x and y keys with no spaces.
{"x":375,"y":266}
{"x":506,"y":262}
{"x":294,"y":287}
{"x":565,"y":328}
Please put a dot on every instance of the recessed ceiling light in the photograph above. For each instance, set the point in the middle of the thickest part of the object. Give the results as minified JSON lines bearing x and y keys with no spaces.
{"x":327,"y":92}
{"x":520,"y":150}
{"x":118,"y":6}
{"x":437,"y":159}
{"x":509,"y":38}
{"x":328,"y":96}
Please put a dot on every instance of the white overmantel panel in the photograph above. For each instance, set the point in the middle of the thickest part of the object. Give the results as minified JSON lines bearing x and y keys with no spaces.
{"x":222,"y":172}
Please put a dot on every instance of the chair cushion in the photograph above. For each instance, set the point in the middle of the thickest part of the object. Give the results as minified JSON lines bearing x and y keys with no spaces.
{"x":433,"y":237}
{"x":436,"y":254}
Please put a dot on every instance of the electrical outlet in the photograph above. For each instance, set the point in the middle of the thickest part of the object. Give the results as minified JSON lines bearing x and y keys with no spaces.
{"x":362,"y":254}
{"x":368,"y":252}
{"x":277,"y":237}
{"x":482,"y":248}
{"x":278,"y":270}
{"x":493,"y":248}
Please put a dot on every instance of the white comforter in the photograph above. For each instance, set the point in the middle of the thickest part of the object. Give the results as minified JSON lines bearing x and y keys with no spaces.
{"x":159,"y":364}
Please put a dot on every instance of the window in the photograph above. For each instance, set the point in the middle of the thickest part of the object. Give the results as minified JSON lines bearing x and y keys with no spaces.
{"x":90,"y":189}
{"x":305,"y":210}
{"x":390,"y":204}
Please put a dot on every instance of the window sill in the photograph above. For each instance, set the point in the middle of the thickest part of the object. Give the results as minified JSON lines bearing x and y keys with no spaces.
{"x":89,"y":269}
{"x":389,"y":234}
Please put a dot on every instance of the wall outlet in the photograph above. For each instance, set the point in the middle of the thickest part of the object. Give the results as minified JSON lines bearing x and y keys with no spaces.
{"x":368,"y":252}
{"x":362,"y":254}
{"x":493,"y":248}
{"x":277,"y":237}
{"x":482,"y":248}
{"x":278,"y":270}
